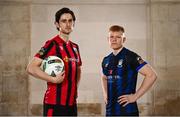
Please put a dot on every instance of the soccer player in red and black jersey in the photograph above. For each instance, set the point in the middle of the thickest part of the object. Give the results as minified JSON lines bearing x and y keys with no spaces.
{"x":61,"y":93}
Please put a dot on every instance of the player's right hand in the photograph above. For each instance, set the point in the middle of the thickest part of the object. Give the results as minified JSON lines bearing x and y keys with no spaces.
{"x":59,"y":78}
{"x":105,"y":99}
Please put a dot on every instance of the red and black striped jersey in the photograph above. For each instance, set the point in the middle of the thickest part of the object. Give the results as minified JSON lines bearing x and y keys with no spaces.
{"x":64,"y":93}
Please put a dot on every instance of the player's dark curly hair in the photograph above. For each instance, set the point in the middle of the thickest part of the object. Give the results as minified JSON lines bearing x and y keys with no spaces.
{"x":60,"y":12}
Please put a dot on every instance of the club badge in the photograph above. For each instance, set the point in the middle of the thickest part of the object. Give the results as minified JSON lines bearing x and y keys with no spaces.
{"x":61,"y":47}
{"x":120,"y":63}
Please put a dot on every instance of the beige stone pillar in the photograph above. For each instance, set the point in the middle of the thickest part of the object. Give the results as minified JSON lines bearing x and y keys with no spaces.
{"x":165,"y":22}
{"x":14,"y":53}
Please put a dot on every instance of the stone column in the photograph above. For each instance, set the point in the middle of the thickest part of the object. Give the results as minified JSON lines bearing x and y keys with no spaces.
{"x":165,"y":22}
{"x":14,"y":53}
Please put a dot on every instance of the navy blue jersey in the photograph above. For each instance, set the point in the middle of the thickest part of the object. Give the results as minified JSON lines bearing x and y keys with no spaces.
{"x":121,"y":71}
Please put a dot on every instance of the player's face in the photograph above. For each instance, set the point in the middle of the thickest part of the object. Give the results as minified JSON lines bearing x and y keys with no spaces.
{"x":66,"y":23}
{"x":116,"y":39}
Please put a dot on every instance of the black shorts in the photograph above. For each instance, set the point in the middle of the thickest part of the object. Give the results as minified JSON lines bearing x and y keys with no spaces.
{"x":59,"y":110}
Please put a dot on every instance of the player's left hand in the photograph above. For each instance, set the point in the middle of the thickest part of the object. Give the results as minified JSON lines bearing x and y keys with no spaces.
{"x":126,"y":99}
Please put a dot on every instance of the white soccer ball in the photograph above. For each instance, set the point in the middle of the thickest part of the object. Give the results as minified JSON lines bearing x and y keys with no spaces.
{"x":52,"y":65}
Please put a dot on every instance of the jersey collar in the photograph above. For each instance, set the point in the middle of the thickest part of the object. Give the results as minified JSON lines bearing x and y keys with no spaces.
{"x":60,"y":40}
{"x":120,"y":52}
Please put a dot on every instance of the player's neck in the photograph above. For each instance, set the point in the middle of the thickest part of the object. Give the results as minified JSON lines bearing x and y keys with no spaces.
{"x":116,"y":51}
{"x":65,"y":37}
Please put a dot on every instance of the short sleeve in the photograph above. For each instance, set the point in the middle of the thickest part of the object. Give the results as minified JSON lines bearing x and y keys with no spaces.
{"x":79,"y":57}
{"x":43,"y":52}
{"x":137,"y":62}
{"x":104,"y":66}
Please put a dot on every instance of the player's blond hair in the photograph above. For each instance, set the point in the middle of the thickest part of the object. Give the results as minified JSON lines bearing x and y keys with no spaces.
{"x":117,"y":28}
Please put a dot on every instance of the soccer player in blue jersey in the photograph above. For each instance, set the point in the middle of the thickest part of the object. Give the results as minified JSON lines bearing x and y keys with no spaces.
{"x":120,"y":69}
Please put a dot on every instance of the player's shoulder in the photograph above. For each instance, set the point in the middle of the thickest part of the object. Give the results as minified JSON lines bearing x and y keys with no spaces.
{"x":107,"y":57}
{"x":51,"y":40}
{"x":130,"y":53}
{"x":74,"y":44}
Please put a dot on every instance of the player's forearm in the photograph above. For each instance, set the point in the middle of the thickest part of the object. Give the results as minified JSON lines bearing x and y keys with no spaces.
{"x":146,"y":84}
{"x":104,"y":86}
{"x":38,"y":73}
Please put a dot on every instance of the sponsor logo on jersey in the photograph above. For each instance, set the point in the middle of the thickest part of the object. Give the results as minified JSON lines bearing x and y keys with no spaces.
{"x":74,"y":59}
{"x":114,"y":76}
{"x":66,"y":59}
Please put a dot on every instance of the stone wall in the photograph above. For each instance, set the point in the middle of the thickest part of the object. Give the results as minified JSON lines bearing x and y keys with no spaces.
{"x":165,"y":24}
{"x":14,"y":52}
{"x":153,"y":28}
